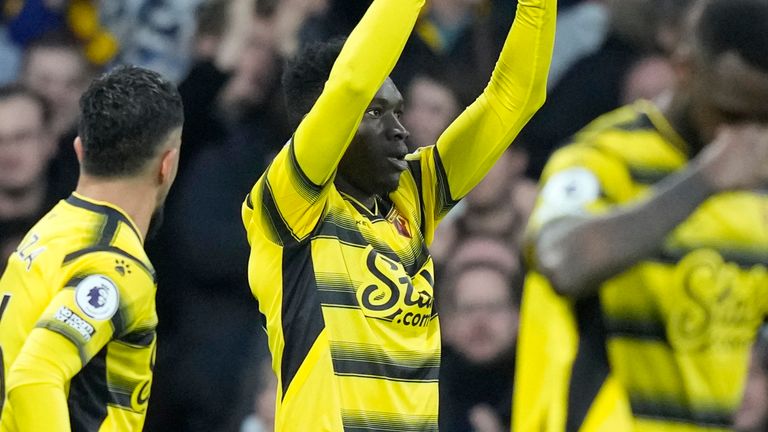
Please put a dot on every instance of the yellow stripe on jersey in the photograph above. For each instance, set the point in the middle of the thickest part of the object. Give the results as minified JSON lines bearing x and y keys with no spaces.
{"x":674,"y":330}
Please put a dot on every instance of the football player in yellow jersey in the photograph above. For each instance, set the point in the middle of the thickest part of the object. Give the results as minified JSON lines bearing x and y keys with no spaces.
{"x":340,"y":222}
{"x":77,"y":300}
{"x":649,"y":246}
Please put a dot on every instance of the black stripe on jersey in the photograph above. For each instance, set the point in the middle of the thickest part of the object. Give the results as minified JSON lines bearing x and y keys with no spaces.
{"x":336,"y":290}
{"x":333,"y":227}
{"x":372,"y":421}
{"x":302,"y":318}
{"x":673,"y":412}
{"x":138,"y":339}
{"x":279,"y":226}
{"x":744,"y":259}
{"x":641,"y":122}
{"x":118,"y":321}
{"x":590,"y":368}
{"x":365,"y":212}
{"x":249,"y":201}
{"x":309,"y":190}
{"x":2,"y":382}
{"x":89,"y":395}
{"x":371,"y":361}
{"x":390,"y":372}
{"x":648,"y":176}
{"x":114,"y":249}
{"x":113,"y":217}
{"x":445,"y":199}
{"x":414,"y":166}
{"x":635,"y":329}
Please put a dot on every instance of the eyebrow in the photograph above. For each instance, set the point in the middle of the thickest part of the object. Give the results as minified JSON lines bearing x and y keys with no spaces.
{"x":382,"y":101}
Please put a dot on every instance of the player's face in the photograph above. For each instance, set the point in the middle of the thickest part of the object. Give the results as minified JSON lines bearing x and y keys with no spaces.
{"x":485,"y":325}
{"x":729,"y":91}
{"x":25,"y":147}
{"x":374,"y":160}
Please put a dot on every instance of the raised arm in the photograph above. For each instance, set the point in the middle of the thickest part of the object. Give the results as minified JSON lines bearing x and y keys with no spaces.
{"x":366,"y":60}
{"x":473,"y":143}
{"x":578,"y":253}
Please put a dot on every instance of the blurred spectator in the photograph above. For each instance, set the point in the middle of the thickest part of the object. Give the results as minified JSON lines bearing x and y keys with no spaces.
{"x":753,"y":413}
{"x":10,"y":57}
{"x":56,"y":67}
{"x":201,"y":253}
{"x":498,"y":207}
{"x":432,"y":106}
{"x":28,"y":20}
{"x":26,"y":148}
{"x":649,"y":78}
{"x":479,"y":309}
{"x":154,"y":34}
{"x":460,"y":39}
{"x":593,"y":85}
{"x":261,"y":395}
{"x":581,"y":30}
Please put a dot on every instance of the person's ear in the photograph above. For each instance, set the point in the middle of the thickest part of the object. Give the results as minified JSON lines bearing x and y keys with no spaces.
{"x":683,"y":64}
{"x":168,"y":165}
{"x":79,"y":151}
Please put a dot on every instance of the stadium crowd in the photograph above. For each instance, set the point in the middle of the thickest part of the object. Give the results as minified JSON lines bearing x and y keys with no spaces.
{"x":212,"y":369}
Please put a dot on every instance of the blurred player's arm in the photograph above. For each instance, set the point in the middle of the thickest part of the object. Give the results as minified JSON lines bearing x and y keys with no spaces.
{"x":367,"y":58}
{"x":578,"y":253}
{"x":475,"y":140}
{"x":38,"y":379}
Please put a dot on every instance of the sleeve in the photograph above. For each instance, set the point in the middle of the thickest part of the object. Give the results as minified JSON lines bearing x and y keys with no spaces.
{"x":91,"y":309}
{"x":580,"y":180}
{"x":290,"y":193}
{"x":475,"y":140}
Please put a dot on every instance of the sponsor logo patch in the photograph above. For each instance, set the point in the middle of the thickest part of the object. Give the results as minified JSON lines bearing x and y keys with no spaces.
{"x":97,"y":296}
{"x":74,"y":321}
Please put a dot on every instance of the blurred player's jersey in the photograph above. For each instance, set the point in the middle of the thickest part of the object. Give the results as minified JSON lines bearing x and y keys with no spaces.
{"x":348,"y":297}
{"x":81,"y":273}
{"x":665,"y":345}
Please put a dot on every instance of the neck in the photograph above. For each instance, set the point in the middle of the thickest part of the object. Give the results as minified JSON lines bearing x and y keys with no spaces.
{"x":677,"y":113}
{"x":129,"y":194}
{"x":22,"y":203}
{"x":366,"y":199}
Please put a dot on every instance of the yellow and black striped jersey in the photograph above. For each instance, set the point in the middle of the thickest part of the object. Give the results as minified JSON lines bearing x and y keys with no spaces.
{"x":347,"y":293}
{"x":77,"y":323}
{"x":665,"y":344}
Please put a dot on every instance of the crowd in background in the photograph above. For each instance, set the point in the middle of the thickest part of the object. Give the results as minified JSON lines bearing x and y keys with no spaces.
{"x":212,"y":370}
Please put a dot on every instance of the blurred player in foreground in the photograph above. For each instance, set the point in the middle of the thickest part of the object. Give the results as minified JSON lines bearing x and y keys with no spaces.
{"x":650,"y":248}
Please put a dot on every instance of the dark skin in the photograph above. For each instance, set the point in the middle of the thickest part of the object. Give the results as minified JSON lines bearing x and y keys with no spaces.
{"x":719,"y":108}
{"x":374,"y":160}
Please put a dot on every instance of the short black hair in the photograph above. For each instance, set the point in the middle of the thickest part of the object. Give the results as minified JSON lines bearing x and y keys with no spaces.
{"x":305,"y":75}
{"x":740,"y":26}
{"x":126,"y":115}
{"x":13,"y":90}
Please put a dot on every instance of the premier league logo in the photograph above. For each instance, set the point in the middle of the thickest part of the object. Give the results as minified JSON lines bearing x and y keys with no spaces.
{"x":98,"y":297}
